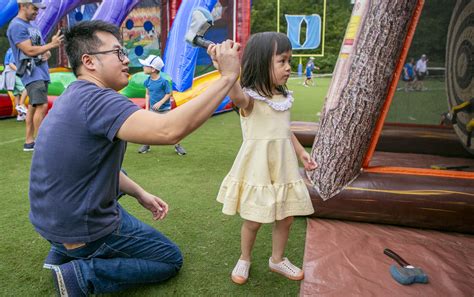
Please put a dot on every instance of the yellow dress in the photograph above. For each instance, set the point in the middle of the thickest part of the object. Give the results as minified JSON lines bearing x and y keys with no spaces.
{"x":264,"y":183}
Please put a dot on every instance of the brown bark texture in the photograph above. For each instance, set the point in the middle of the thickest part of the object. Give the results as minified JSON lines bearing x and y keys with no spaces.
{"x":371,"y":48}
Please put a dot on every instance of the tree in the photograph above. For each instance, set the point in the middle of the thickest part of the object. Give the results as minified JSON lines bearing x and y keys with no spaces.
{"x":355,"y":98}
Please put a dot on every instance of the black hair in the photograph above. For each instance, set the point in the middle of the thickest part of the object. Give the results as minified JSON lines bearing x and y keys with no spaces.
{"x":257,"y":61}
{"x":81,"y":39}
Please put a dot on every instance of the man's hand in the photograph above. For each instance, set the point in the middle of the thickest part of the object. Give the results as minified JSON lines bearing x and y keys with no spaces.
{"x":57,"y":39}
{"x":225,"y":57}
{"x":158,"y":207}
{"x":46,"y":56}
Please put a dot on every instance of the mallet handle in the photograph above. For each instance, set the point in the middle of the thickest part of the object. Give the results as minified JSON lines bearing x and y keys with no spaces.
{"x":202,"y":42}
{"x":395,"y":257}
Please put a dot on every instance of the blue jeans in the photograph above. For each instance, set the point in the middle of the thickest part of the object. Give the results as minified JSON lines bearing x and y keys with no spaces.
{"x":133,"y":254}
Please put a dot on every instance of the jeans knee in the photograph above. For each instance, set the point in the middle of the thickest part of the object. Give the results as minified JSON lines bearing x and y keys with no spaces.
{"x":179,"y":260}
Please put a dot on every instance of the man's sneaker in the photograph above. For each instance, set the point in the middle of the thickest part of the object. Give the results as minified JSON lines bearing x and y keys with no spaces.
{"x":65,"y":281}
{"x":144,"y":149}
{"x":29,"y":147}
{"x":21,"y":109}
{"x":179,"y":150}
{"x":287,"y":269}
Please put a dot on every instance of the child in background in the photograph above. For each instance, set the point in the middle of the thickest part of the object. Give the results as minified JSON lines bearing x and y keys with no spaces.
{"x":158,"y":94}
{"x":13,"y":83}
{"x":309,"y":72}
{"x":409,"y":75}
{"x":264,"y":184}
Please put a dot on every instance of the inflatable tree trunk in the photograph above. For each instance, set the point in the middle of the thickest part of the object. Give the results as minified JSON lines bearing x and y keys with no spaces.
{"x":362,"y":78}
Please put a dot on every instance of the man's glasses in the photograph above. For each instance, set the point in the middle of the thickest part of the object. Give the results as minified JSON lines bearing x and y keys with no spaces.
{"x":120,"y":52}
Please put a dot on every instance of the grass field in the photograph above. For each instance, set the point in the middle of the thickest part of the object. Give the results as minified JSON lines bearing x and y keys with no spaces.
{"x":208,"y":239}
{"x":417,"y":107}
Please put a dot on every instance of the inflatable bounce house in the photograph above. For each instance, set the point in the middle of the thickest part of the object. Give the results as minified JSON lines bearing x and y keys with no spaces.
{"x":371,"y":173}
{"x":148,"y":27}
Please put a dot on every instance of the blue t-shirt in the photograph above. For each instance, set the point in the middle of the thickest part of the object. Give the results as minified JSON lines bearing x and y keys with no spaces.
{"x":410,"y":71}
{"x":9,"y":57}
{"x":19,"y":31}
{"x":157,"y":90}
{"x":309,"y":68}
{"x":74,"y":178}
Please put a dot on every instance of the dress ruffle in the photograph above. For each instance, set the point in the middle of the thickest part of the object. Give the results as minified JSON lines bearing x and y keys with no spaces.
{"x":264,"y":204}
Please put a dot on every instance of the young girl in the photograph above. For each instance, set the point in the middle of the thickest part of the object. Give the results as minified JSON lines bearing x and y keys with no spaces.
{"x":264,"y":184}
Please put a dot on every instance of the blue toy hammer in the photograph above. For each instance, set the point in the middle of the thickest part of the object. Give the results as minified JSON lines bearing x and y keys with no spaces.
{"x":406,"y":274}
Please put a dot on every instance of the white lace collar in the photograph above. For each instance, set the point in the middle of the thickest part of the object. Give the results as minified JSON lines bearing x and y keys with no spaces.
{"x":279,"y":106}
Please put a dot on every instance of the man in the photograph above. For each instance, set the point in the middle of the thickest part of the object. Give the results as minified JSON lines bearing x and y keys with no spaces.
{"x":421,"y":69}
{"x":309,"y":72}
{"x":31,"y":55}
{"x":96,"y":246}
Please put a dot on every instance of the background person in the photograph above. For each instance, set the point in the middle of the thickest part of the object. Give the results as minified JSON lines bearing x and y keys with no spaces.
{"x":421,"y":69}
{"x":13,"y":83}
{"x":309,"y":72}
{"x":408,"y":75}
{"x":31,"y":54}
{"x":158,"y":94}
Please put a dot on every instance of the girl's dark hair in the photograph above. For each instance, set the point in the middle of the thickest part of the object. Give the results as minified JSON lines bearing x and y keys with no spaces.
{"x":81,"y":39}
{"x":257,"y":62}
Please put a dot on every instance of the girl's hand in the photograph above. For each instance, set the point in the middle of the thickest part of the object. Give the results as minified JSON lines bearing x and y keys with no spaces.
{"x":158,"y":207}
{"x":308,"y":162}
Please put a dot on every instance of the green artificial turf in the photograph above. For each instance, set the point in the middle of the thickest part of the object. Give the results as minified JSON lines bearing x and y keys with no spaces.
{"x":419,"y":107}
{"x":208,"y":239}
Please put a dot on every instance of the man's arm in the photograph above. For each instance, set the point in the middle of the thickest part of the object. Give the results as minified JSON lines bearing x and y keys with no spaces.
{"x":34,"y":50}
{"x":158,"y":207}
{"x":148,"y":127}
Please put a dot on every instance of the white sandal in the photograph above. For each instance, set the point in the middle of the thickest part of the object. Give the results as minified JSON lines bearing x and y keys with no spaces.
{"x":240,"y":274}
{"x":287,"y":269}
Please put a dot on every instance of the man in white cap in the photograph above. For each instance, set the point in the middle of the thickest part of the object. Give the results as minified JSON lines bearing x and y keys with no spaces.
{"x":158,"y":94}
{"x":421,"y":70}
{"x":31,"y":54}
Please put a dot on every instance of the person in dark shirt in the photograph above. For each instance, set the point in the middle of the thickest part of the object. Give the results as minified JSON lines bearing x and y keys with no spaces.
{"x":96,"y":245}
{"x":408,"y":75}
